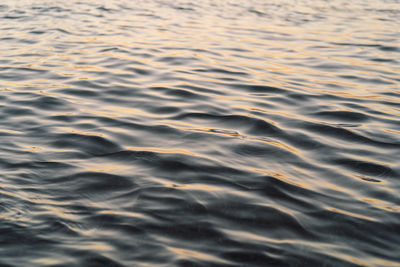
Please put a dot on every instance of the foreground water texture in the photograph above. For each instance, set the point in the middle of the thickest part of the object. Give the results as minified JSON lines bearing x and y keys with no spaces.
{"x":204,"y":133}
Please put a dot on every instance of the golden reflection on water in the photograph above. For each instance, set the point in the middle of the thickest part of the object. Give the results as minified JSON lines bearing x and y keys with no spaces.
{"x":181,"y":123}
{"x":277,"y":144}
{"x":247,"y":235}
{"x":357,"y":261}
{"x":83,"y":67}
{"x":123,"y":213}
{"x":70,"y":130}
{"x":379,"y":262}
{"x":281,"y":176}
{"x":59,"y":211}
{"x":352,"y":214}
{"x":234,"y":134}
{"x":392,"y":131}
{"x":238,"y":135}
{"x":186,"y":253}
{"x":34,"y":148}
{"x":195,"y":187}
{"x":10,"y":131}
{"x":94,"y":245}
{"x":381,"y":204}
{"x":104,"y":167}
{"x":48,"y":261}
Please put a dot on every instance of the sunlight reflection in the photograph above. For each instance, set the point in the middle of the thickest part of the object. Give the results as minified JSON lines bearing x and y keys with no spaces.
{"x":123,"y":213}
{"x":185,"y":253}
{"x":65,"y":129}
{"x":281,"y":177}
{"x":10,"y":131}
{"x":352,"y":214}
{"x":382,"y":204}
{"x":91,"y":245}
{"x":94,"y":167}
{"x":47,"y":261}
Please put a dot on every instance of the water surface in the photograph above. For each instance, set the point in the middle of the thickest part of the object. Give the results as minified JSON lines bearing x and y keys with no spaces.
{"x":204,"y":133}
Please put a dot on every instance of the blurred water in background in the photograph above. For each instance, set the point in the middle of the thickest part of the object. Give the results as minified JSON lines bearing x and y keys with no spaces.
{"x":204,"y":133}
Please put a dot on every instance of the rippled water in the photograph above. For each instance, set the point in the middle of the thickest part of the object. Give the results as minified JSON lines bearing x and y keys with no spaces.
{"x":204,"y":133}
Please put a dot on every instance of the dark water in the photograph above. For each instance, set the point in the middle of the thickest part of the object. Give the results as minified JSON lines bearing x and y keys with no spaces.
{"x":204,"y":133}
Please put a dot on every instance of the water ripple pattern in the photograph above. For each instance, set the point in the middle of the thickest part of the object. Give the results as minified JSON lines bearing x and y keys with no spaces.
{"x":200,"y":133}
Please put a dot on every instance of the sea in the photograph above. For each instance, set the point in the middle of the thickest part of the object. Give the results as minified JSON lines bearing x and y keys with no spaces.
{"x":199,"y":133}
